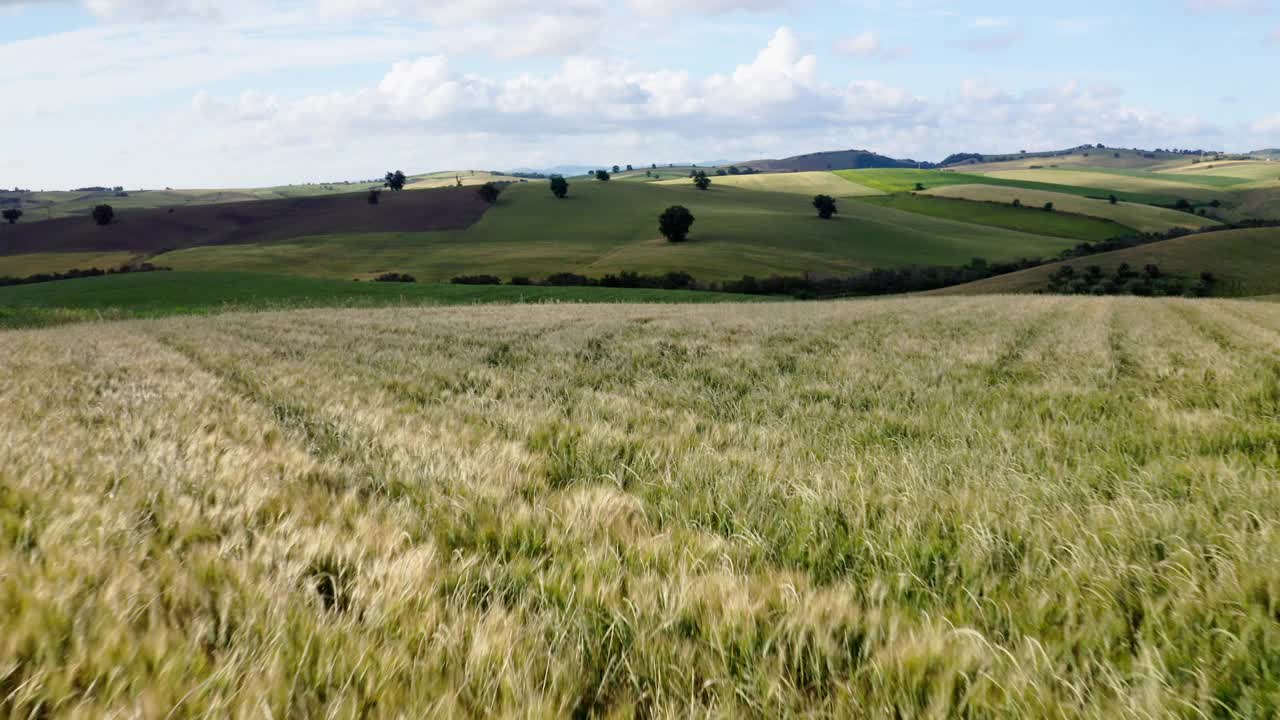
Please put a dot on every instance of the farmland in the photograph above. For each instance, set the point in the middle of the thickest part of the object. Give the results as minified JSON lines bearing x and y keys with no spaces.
{"x":159,"y":294}
{"x":802,"y":183}
{"x":900,"y":508}
{"x":1031,"y":218}
{"x":1144,"y":218}
{"x":611,"y":227}
{"x":1244,"y":262}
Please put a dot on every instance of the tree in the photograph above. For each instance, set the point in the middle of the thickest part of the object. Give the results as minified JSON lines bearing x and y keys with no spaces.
{"x":616,"y":169}
{"x":701,"y":181}
{"x":1017,"y":203}
{"x":374,"y":196}
{"x":489,"y":192}
{"x":675,"y":222}
{"x":1113,"y":200}
{"x":826,"y":206}
{"x":1048,"y":207}
{"x":629,"y":168}
{"x":104,"y":214}
{"x":559,"y":186}
{"x":919,"y":187}
{"x":602,"y":176}
{"x":395,"y":180}
{"x":12,"y":215}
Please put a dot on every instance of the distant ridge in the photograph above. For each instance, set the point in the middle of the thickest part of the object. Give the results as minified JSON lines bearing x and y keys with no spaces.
{"x":834,"y":160}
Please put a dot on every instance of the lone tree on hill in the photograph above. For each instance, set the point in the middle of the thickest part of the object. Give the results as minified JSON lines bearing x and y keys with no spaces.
{"x":559,"y":186}
{"x":701,"y":181}
{"x":489,"y":192}
{"x":12,"y":215}
{"x":1017,"y":203}
{"x":1048,"y":207}
{"x":919,"y":187}
{"x":616,"y":169}
{"x":395,"y":180}
{"x":826,"y":206}
{"x":675,"y":222}
{"x":374,"y":196}
{"x":1113,"y":200}
{"x":104,"y":214}
{"x":602,"y":175}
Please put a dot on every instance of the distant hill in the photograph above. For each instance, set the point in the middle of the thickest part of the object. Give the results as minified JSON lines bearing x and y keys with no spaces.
{"x":1100,"y":154}
{"x":834,"y":160}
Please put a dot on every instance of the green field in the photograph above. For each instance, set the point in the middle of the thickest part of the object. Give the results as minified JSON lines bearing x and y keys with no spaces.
{"x":920,"y":508}
{"x":1026,"y":219}
{"x":611,"y":227}
{"x":1244,"y":261}
{"x":896,"y":181}
{"x":1148,"y":184}
{"x":193,"y":293}
{"x":800,"y":183}
{"x":1144,"y":218}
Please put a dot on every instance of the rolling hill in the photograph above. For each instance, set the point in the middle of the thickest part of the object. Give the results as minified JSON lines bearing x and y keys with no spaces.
{"x":834,"y":160}
{"x":152,"y":231}
{"x":1144,"y":218}
{"x":1244,"y":261}
{"x":796,"y":183}
{"x":610,"y":227}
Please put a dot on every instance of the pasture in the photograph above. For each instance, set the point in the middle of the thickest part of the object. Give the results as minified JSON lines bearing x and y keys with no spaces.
{"x":897,"y":181}
{"x":157,"y":294}
{"x":1057,"y":507}
{"x":611,"y":227}
{"x":1244,"y":261}
{"x":1144,"y":218}
{"x":1031,"y":218}
{"x":799,"y":183}
{"x":1151,"y":184}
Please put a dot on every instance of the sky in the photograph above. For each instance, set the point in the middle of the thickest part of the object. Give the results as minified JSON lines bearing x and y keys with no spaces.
{"x":235,"y":93}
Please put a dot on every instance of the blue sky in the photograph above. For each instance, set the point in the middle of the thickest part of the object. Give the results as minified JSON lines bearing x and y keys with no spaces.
{"x":205,"y":93}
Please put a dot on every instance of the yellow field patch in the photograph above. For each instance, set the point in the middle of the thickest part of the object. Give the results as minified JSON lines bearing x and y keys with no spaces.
{"x":35,"y":263}
{"x":801,"y":183}
{"x":1145,"y":218}
{"x":1108,"y":181}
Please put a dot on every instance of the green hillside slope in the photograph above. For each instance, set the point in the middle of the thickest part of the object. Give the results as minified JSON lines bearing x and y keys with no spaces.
{"x":609,"y":227}
{"x":1244,"y":261}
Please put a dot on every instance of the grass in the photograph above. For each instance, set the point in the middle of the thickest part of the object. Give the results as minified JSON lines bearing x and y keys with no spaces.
{"x":35,"y":263}
{"x":1148,"y":184}
{"x":193,"y":293}
{"x":1054,"y":507}
{"x":1026,"y":219}
{"x":1244,"y":262}
{"x":55,"y":204}
{"x":1144,"y":218}
{"x":896,"y":181}
{"x":808,"y":184}
{"x":610,"y":227}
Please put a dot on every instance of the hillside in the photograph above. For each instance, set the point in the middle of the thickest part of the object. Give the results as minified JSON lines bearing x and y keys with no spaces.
{"x":610,"y":227}
{"x":1244,"y":261}
{"x":944,"y":507}
{"x":1143,"y":218}
{"x":150,"y":231}
{"x":808,"y":184}
{"x":834,"y":160}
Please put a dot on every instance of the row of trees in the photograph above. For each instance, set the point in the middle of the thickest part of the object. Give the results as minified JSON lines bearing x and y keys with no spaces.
{"x":1126,"y":280}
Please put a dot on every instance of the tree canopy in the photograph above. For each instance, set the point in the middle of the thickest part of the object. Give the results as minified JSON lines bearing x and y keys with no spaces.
{"x":559,"y":186}
{"x":675,"y":223}
{"x":395,"y":180}
{"x":826,"y":206}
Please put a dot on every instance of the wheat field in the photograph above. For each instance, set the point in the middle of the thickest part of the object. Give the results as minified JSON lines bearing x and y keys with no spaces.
{"x":974,"y":507}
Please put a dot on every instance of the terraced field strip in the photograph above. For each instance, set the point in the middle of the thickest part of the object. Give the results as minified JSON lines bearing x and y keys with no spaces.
{"x":801,"y":183}
{"x":902,"y":508}
{"x":1144,"y":218}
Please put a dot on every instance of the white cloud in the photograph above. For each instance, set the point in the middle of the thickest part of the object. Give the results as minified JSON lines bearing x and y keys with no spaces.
{"x":705,"y":7}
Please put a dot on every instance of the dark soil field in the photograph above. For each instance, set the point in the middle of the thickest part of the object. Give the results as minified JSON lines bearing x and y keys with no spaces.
{"x":153,"y":231}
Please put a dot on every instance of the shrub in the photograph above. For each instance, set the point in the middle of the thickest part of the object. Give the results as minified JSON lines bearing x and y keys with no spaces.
{"x":701,"y":181}
{"x":103,"y":214}
{"x":11,"y":215}
{"x":1048,"y":207}
{"x":602,"y":176}
{"x":489,"y":192}
{"x":1017,"y":203}
{"x":559,"y":186}
{"x":826,"y":206}
{"x":476,"y":280}
{"x":393,"y":277}
{"x":675,"y":223}
{"x":521,"y":280}
{"x":566,"y":279}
